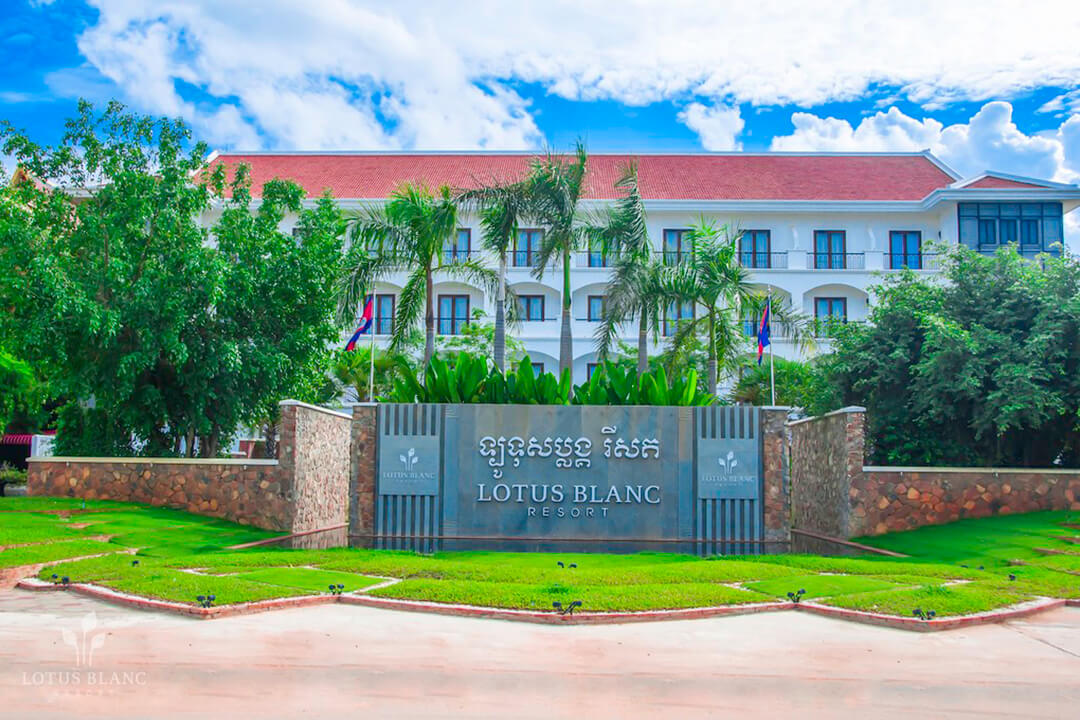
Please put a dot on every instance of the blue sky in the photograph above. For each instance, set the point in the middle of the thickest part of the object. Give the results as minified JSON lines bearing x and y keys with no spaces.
{"x":983,"y":84}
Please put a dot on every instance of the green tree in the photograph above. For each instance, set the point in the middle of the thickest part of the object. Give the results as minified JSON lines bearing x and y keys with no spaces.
{"x":17,"y":380}
{"x":408,"y":234}
{"x":479,"y":338}
{"x":805,"y":385}
{"x":712,"y":278}
{"x":634,"y":290}
{"x":556,"y":184}
{"x":502,"y":207}
{"x":154,"y":332}
{"x":982,"y":369}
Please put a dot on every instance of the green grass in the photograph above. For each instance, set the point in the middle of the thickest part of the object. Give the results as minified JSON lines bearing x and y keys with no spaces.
{"x":171,"y":541}
{"x":821,"y":585}
{"x":624,"y":598}
{"x":310,"y":579}
{"x":38,"y":504}
{"x":946,"y":601}
{"x":49,"y":552}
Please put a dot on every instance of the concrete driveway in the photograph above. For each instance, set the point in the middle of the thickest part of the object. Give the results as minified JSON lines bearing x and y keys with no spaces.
{"x":341,"y":661}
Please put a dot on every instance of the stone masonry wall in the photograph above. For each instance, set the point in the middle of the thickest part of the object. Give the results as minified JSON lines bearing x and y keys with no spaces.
{"x":777,"y":499}
{"x":887,"y":499}
{"x":304,"y":489}
{"x":826,"y":459}
{"x":362,"y":477}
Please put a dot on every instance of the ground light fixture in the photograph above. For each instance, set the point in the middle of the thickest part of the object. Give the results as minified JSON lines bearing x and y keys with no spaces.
{"x":337,"y":589}
{"x":205,"y":600}
{"x":923,"y":614}
{"x":568,"y":610}
{"x":796,"y":596}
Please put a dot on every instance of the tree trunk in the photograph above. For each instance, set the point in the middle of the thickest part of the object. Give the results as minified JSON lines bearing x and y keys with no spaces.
{"x":712,"y":355}
{"x":643,"y":341}
{"x":566,"y":340}
{"x":429,"y":319}
{"x":270,"y":436}
{"x":500,"y":316}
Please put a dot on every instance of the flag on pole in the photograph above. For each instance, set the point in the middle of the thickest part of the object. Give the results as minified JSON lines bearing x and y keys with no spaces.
{"x":763,"y":331}
{"x":365,"y":324}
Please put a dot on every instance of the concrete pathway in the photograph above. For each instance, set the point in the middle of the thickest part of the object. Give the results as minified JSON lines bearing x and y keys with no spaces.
{"x":343,"y":661}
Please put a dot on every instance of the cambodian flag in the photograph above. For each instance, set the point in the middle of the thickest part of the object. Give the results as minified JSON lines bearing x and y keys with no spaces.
{"x":763,"y":331}
{"x":365,"y":324}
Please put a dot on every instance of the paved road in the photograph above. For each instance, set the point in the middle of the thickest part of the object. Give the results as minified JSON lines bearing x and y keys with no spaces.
{"x":339,"y":661}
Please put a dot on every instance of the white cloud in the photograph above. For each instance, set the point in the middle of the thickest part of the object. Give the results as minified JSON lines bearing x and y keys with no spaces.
{"x":440,"y":74}
{"x":989,"y":140}
{"x":717,"y":126}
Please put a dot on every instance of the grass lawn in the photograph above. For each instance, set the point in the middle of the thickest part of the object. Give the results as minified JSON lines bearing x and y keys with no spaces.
{"x":181,"y":555}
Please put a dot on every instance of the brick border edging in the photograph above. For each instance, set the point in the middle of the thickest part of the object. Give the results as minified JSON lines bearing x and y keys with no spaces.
{"x":1011,"y":612}
{"x":552,"y":618}
{"x":98,"y":592}
{"x":11,"y":577}
{"x":137,"y":602}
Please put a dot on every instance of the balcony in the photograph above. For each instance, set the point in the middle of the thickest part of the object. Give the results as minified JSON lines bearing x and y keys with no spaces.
{"x":451,"y":325}
{"x":777,"y":330}
{"x":764,"y":260}
{"x":837,"y":261}
{"x":455,"y":256}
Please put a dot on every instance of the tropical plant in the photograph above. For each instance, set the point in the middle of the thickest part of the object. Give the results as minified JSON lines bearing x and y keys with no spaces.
{"x":611,"y":384}
{"x":556,"y":184}
{"x":353,"y":369}
{"x":634,"y":288}
{"x":408,"y":233}
{"x":502,"y":208}
{"x":470,"y":380}
{"x":713,"y":279}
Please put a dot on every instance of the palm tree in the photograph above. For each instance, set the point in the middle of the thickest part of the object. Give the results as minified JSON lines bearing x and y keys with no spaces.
{"x":556,"y":184}
{"x":408,"y":233}
{"x":502,"y":208}
{"x":634,"y":288}
{"x":712,"y":277}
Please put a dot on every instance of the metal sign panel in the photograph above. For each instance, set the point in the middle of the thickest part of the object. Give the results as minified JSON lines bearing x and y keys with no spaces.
{"x":568,"y":477}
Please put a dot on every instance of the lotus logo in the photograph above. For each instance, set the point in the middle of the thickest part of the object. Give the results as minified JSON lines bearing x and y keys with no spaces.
{"x":409,"y":461}
{"x":729,"y":463}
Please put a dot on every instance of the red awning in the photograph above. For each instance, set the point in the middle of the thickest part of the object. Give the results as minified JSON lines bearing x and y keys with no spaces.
{"x":21,"y":438}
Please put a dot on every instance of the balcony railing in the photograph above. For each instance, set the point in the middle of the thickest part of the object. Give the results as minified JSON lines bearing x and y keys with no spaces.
{"x":913,"y":261}
{"x":764,"y":260}
{"x":672,"y":257}
{"x":827,"y":328}
{"x":452,"y":256}
{"x":450,"y":325}
{"x":524,"y":258}
{"x":838,"y":261}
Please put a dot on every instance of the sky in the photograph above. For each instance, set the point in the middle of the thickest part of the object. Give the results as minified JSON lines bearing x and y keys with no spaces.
{"x":984,"y":85}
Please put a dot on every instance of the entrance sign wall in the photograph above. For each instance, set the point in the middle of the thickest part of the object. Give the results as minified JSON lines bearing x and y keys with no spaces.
{"x":602,"y":478}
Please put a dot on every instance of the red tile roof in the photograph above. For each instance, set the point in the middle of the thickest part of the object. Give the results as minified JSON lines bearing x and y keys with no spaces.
{"x":662,"y":177}
{"x":998,"y":182}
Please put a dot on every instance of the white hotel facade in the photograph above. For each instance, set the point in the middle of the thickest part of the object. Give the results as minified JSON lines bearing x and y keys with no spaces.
{"x":818,"y":228}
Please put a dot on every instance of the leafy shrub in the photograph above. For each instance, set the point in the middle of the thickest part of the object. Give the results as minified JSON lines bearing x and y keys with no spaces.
{"x":470,"y":379}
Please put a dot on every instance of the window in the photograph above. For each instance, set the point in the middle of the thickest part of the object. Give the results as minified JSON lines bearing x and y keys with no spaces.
{"x":458,"y":248}
{"x":383,"y":313}
{"x":987,"y":226}
{"x":538,"y":369}
{"x":905,"y":249}
{"x":830,"y":247}
{"x":596,"y":308}
{"x":531,"y":307}
{"x":590,"y":368}
{"x":674,"y":315}
{"x":453,"y":314}
{"x":754,"y":250}
{"x":527,"y":247}
{"x":597,"y":257}
{"x":676,"y":246}
{"x":829,"y":311}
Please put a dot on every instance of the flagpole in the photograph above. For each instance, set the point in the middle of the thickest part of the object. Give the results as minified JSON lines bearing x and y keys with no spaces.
{"x":772,"y":368}
{"x":374,"y":326}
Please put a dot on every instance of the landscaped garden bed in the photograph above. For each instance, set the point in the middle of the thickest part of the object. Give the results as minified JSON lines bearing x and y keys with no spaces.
{"x":167,"y":555}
